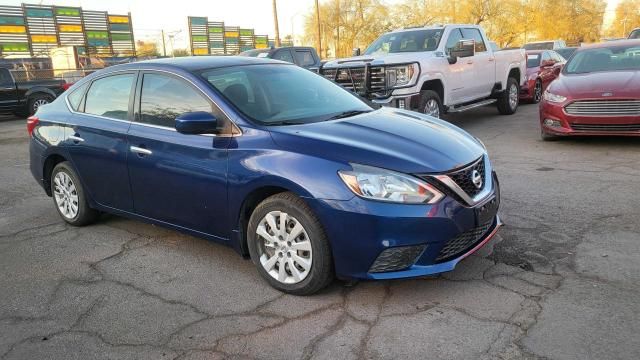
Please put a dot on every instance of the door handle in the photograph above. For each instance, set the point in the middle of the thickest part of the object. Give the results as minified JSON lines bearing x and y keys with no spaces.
{"x":75,"y":138}
{"x":140,"y":151}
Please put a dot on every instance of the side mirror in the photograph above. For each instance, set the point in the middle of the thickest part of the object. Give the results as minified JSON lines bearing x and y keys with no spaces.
{"x":464,"y":48}
{"x":547,"y":63}
{"x":356,"y":52}
{"x":199,"y":122}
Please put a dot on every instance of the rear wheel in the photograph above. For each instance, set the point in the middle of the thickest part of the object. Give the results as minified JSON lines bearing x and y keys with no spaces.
{"x":288,"y":245}
{"x":430,"y":104}
{"x":36,"y":101}
{"x":508,"y":101}
{"x":69,"y":196}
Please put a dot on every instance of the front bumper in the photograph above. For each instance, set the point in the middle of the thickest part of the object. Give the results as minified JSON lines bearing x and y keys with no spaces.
{"x":361,"y":230}
{"x":574,"y":125}
{"x":401,"y":101}
{"x":527,"y":90}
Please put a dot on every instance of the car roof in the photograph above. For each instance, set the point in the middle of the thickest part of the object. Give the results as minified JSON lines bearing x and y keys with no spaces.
{"x":608,"y":44}
{"x":194,"y":63}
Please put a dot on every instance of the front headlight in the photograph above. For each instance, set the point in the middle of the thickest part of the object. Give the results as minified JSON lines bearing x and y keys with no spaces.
{"x":385,"y":185}
{"x":402,"y":75}
{"x":554,"y":98}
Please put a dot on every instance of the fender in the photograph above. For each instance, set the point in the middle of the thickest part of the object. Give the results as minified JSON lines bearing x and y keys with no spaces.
{"x":40,"y":89}
{"x":431,"y":75}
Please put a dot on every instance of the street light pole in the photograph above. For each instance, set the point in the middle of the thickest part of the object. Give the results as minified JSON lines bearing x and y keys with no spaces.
{"x":275,"y":21}
{"x":319,"y":36}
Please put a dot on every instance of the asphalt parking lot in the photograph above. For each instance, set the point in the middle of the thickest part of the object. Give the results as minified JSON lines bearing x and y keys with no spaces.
{"x":562,"y":281}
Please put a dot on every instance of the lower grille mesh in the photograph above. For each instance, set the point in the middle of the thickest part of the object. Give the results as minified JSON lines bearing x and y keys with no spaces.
{"x":397,"y":258}
{"x":463,"y":242}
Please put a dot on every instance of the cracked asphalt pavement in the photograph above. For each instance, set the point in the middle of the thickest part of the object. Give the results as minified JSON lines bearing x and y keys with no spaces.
{"x":561,"y":281}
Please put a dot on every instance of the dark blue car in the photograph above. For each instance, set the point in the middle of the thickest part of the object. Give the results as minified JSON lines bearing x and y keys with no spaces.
{"x":284,"y":166}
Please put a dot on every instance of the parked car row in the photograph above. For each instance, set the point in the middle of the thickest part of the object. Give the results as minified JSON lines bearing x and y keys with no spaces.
{"x":25,"y":97}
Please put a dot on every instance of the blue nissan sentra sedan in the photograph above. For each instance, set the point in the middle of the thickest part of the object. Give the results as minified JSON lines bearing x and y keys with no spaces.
{"x":289,"y":169}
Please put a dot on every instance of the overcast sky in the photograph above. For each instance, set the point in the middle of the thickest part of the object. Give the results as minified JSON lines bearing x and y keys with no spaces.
{"x":150,"y":16}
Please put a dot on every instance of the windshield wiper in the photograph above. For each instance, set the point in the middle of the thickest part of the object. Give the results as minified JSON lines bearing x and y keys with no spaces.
{"x":285,"y":122}
{"x":349,"y":113}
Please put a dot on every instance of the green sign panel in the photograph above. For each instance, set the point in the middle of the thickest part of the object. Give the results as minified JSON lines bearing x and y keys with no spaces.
{"x":67,"y":11}
{"x":121,"y":37}
{"x":97,"y":35}
{"x":216,"y":30}
{"x":15,"y":47}
{"x":120,"y":27}
{"x":11,"y":20}
{"x":43,"y":13}
{"x":200,"y":38}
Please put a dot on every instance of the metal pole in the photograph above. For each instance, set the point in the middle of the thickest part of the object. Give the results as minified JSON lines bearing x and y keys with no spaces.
{"x":164,"y":47}
{"x":275,"y":21}
{"x":319,"y":36}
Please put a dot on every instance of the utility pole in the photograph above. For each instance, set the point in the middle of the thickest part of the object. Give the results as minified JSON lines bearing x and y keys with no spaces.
{"x":319,"y":36}
{"x":275,"y":21}
{"x":164,"y":48}
{"x":337,"y":28}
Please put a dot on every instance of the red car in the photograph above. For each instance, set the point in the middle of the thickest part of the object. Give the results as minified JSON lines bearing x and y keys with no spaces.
{"x":597,"y":93}
{"x":543,"y":66}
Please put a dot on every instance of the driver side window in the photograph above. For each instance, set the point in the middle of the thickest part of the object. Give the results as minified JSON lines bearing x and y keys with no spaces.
{"x":454,"y":36}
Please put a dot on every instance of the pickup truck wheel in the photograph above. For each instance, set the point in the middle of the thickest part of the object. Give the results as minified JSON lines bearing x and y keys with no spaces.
{"x":288,"y":245}
{"x":430,"y":103}
{"x":37,"y":100}
{"x":508,"y":101}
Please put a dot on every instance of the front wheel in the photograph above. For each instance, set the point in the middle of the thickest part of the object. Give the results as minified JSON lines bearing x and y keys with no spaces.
{"x":508,"y":101}
{"x":288,"y":245}
{"x":430,"y":103}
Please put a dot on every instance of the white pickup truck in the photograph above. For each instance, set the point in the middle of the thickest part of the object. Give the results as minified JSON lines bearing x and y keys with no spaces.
{"x":433,"y":70}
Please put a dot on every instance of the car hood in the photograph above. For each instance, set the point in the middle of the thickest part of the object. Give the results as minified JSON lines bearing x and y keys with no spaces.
{"x":377,"y":59}
{"x":593,"y":85}
{"x":388,"y":138}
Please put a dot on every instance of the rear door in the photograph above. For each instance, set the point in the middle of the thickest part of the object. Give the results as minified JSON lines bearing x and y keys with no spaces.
{"x":8,"y":92}
{"x":176,"y":178}
{"x":97,"y":138}
{"x":484,"y":69}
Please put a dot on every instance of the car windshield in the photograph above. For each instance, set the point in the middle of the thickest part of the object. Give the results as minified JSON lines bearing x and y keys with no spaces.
{"x":613,"y":58}
{"x":533,"y":60}
{"x":539,"y":46}
{"x":279,"y":94}
{"x":566,"y":52}
{"x":406,"y":41}
{"x":635,"y":34}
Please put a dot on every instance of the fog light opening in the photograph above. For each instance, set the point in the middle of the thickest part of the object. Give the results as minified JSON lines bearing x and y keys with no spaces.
{"x":552,"y":123}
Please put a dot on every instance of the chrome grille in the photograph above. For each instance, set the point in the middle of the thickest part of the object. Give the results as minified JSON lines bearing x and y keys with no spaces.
{"x":355,"y":79}
{"x":604,"y":108}
{"x":606,"y":127}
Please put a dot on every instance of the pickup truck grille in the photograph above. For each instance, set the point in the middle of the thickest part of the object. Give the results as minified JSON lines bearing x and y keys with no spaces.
{"x":604,"y":108}
{"x":358,"y":79}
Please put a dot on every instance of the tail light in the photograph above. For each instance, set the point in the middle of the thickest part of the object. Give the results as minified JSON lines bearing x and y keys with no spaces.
{"x":32,"y":122}
{"x":66,"y":86}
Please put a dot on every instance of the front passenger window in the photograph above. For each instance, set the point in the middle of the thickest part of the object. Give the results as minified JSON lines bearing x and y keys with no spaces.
{"x":109,"y":96}
{"x":164,"y":98}
{"x":454,"y":36}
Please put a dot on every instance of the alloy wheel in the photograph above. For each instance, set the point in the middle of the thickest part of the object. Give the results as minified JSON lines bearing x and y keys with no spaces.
{"x":432,"y":108}
{"x":66,"y":195}
{"x":38,"y":103}
{"x":513,"y":96}
{"x":284,"y":247}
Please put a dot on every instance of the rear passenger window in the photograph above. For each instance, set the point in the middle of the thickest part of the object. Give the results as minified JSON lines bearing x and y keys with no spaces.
{"x":283,"y":55}
{"x":475,"y":35}
{"x":304,"y":58}
{"x":109,"y":96}
{"x":164,"y":98}
{"x":76,"y":96}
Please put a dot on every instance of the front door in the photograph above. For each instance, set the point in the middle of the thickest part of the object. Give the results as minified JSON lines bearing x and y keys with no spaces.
{"x":460,"y":74}
{"x":484,"y":68}
{"x":8,"y":92}
{"x":97,"y":138}
{"x":176,"y":178}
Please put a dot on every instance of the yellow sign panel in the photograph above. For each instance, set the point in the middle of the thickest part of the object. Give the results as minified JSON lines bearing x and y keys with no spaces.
{"x":13,"y":29}
{"x":44,"y":39}
{"x":233,"y":34}
{"x":70,"y":28}
{"x":118,"y":19}
{"x":200,"y":51}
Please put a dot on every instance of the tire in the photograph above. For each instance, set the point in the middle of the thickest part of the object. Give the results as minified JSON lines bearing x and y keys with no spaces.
{"x":537,"y":92}
{"x":507,"y":104}
{"x":547,"y":137}
{"x":429,"y":98}
{"x":271,"y":249}
{"x":37,"y":100}
{"x":65,"y":185}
